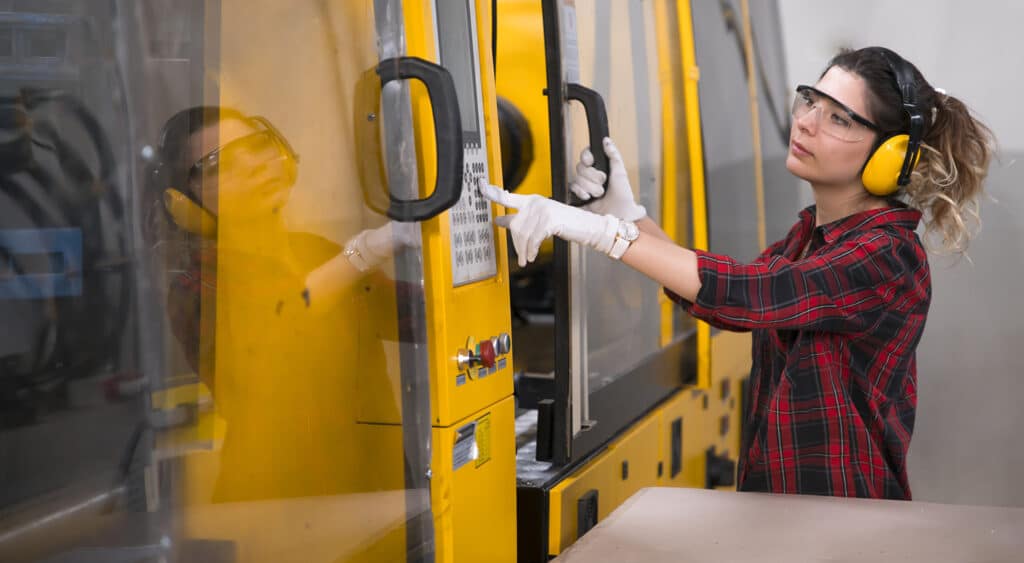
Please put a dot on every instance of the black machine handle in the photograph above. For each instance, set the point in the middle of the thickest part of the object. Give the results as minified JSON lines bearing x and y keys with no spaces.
{"x":447,"y":133}
{"x":597,"y":125}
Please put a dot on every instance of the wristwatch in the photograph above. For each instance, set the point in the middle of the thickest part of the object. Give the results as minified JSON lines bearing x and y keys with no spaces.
{"x":353,"y":255}
{"x":626,"y":234}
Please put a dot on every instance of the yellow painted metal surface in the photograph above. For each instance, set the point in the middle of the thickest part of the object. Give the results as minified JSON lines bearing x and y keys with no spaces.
{"x":691,"y":74}
{"x":479,"y":310}
{"x":479,"y":499}
{"x":675,"y":194}
{"x":639,"y":446}
{"x":473,"y":505}
{"x":731,"y":351}
{"x":308,"y":393}
{"x":686,"y":407}
{"x":522,"y":78}
{"x":648,"y":442}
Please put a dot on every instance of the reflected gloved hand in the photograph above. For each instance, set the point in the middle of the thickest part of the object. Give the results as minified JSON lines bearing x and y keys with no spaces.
{"x":589,"y":183}
{"x":372,"y":246}
{"x":539,"y":218}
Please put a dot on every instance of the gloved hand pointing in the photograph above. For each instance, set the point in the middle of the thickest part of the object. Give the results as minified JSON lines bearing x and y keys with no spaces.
{"x":539,"y":218}
{"x":589,"y":183}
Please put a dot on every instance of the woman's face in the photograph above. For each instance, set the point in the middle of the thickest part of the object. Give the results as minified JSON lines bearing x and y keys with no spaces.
{"x":823,"y":159}
{"x":249,"y":176}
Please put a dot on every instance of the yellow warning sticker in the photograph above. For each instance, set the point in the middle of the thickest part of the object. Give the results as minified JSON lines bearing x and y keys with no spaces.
{"x":483,"y":439}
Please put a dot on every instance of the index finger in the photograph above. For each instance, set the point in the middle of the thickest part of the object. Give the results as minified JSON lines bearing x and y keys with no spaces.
{"x":500,"y":196}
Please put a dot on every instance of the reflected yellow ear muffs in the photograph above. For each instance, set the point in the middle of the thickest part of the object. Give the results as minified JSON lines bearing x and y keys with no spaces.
{"x":882,"y":172}
{"x":188,"y":215}
{"x":890,"y":164}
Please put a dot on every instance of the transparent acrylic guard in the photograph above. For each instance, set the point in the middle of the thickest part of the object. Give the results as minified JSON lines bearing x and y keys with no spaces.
{"x":622,"y":306}
{"x":187,"y":358}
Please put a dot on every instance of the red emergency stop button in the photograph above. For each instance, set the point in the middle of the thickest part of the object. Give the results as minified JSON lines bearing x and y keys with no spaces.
{"x":487,"y":353}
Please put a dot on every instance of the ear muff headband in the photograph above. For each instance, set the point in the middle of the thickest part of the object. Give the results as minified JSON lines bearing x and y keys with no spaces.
{"x":896,"y":155}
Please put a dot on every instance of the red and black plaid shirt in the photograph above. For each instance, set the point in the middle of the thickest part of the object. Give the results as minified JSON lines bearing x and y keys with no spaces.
{"x":833,"y":386}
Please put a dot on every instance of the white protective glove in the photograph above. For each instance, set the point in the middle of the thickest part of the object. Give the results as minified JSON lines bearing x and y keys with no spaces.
{"x":539,"y":218}
{"x":589,"y":183}
{"x":372,"y":246}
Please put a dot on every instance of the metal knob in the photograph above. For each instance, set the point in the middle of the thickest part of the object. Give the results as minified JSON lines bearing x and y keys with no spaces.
{"x":504,"y":343}
{"x":466,"y":359}
{"x":482,"y":354}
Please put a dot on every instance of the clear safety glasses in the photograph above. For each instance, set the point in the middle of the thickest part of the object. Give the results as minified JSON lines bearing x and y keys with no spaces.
{"x":266,"y":145}
{"x":834,"y":118}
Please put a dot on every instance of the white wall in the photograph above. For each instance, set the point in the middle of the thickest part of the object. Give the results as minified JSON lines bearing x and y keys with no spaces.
{"x":968,"y":446}
{"x":975,"y":50}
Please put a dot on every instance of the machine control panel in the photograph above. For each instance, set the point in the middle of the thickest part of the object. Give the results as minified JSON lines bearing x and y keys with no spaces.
{"x":481,"y":359}
{"x":472,"y":241}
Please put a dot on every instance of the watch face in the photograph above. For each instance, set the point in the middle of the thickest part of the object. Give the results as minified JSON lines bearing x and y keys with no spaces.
{"x":632,"y":232}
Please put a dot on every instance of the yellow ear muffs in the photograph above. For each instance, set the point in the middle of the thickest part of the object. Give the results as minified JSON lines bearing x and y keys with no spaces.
{"x":188,"y":215}
{"x":882,"y":172}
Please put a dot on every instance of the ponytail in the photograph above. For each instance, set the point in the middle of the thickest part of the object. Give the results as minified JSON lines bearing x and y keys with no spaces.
{"x":948,"y":181}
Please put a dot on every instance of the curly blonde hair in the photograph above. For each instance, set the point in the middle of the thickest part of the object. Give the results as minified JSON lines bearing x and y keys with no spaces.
{"x":948,"y":182}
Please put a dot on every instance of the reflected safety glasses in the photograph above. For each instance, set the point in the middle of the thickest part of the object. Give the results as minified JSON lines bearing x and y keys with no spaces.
{"x":267,"y":145}
{"x":834,"y":118}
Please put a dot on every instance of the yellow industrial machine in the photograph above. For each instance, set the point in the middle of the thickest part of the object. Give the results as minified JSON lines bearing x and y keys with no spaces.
{"x":386,"y":389}
{"x":315,"y":346}
{"x":593,"y":429}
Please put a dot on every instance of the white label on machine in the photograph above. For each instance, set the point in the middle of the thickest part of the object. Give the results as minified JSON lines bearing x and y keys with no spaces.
{"x":465,"y":446}
{"x":472,"y":234}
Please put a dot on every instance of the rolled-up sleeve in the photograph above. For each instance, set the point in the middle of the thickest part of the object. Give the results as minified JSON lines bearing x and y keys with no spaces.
{"x":842,"y":289}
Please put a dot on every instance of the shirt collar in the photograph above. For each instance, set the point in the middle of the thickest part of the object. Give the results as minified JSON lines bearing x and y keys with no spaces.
{"x":898,"y":215}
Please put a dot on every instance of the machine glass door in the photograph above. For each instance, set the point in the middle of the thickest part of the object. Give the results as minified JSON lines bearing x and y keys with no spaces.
{"x":611,"y":364}
{"x":210,"y":260}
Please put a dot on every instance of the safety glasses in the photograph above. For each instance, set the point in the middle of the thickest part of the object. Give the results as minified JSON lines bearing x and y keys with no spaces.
{"x":263,"y":147}
{"x":834,"y":119}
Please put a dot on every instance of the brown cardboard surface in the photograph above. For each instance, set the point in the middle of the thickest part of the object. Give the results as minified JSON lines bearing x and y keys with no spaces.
{"x":673,"y":524}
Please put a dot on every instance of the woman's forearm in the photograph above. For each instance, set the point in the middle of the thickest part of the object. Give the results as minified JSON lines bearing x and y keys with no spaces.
{"x":646,"y":225}
{"x":665,"y":262}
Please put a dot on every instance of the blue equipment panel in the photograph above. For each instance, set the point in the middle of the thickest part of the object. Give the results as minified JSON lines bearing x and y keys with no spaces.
{"x":40,"y":263}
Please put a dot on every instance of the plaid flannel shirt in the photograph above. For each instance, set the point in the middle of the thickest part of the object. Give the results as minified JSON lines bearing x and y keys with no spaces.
{"x":833,"y":386}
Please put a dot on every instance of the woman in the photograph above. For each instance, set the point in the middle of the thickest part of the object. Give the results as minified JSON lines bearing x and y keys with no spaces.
{"x":837,"y":307}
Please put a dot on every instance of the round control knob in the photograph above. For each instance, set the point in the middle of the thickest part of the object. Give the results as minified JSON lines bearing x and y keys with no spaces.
{"x":487,"y":353}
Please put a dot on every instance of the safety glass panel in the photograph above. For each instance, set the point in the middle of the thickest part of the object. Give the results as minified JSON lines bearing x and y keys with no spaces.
{"x":212,"y":348}
{"x":618,"y":56}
